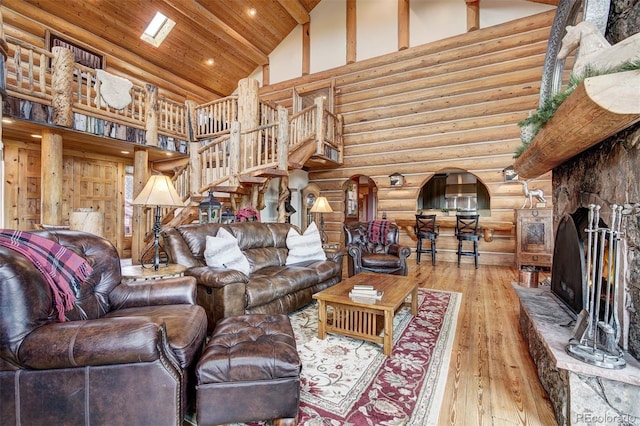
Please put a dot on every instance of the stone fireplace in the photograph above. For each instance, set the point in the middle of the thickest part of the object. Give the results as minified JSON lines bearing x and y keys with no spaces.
{"x":590,"y":167}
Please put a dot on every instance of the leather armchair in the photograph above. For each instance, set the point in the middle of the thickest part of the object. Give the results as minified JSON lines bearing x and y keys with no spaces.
{"x":388,"y":256}
{"x":125,"y":354}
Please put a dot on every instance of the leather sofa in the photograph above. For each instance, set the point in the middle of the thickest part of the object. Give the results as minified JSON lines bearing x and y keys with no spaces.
{"x":271,"y":287}
{"x":125,"y":354}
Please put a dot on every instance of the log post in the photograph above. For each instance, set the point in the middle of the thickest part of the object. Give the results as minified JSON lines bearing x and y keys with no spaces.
{"x":62,"y":86}
{"x":473,"y":15}
{"x":403,"y":24}
{"x":140,"y":176}
{"x":306,"y":48}
{"x":151,"y":108}
{"x":51,"y":178}
{"x":351,"y":31}
{"x":283,"y":137}
{"x":320,"y":124}
{"x":248,"y":105}
{"x":195,"y":171}
{"x":234,"y":154}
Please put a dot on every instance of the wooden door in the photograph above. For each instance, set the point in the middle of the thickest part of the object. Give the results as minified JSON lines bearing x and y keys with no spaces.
{"x":28,"y":189}
{"x":97,"y":185}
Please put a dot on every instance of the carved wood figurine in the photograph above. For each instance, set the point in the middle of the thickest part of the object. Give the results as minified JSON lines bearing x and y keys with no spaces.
{"x":595,"y":50}
{"x":529,"y":194}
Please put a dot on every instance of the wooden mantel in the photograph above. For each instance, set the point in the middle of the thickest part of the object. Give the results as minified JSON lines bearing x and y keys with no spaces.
{"x":598,"y":108}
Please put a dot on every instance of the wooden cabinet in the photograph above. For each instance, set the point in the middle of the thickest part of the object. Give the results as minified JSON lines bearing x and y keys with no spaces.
{"x":534,"y":237}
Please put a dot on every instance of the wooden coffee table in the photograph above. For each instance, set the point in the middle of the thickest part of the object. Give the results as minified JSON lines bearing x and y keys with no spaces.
{"x":365,"y":320}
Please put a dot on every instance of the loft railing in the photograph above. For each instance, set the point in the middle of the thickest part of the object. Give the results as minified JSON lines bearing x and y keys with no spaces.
{"x":215,"y":117}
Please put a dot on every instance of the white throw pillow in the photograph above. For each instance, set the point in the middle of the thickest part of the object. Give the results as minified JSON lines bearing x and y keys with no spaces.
{"x":222,"y":251}
{"x":307,"y":246}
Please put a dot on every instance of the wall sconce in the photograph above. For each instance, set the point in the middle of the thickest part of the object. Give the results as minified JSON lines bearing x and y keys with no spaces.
{"x":209,"y":209}
{"x":396,"y":179}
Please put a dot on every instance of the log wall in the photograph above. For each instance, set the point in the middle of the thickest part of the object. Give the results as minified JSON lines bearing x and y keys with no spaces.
{"x":451,"y":104}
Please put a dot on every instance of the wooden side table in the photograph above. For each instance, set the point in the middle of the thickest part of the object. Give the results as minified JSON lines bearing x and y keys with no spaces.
{"x":138,"y":273}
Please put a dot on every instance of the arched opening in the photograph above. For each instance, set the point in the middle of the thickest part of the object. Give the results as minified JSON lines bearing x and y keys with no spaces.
{"x":454,"y":190}
{"x":360,"y":199}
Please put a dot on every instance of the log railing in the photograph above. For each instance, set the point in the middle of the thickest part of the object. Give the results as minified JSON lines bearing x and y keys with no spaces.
{"x":265,"y":153}
{"x":215,"y":163}
{"x":302,"y":127}
{"x":173,"y":118}
{"x":215,"y":117}
{"x":27,"y":71}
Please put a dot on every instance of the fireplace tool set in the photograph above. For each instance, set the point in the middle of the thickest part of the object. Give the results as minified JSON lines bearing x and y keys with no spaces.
{"x":597,"y":331}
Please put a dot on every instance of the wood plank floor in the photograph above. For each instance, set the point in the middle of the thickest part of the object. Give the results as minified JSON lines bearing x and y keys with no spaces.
{"x":492,"y":379}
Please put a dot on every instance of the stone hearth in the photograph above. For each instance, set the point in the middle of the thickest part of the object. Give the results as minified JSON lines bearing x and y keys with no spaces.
{"x":579,"y":392}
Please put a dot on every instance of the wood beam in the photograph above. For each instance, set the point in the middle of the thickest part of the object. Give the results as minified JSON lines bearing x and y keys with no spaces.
{"x":351,"y":31}
{"x":403,"y":24}
{"x":202,"y":17}
{"x":473,"y":15}
{"x":306,"y":49}
{"x":296,"y":10}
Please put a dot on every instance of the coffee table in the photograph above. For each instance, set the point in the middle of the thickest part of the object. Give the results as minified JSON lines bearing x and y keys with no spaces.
{"x":365,"y":319}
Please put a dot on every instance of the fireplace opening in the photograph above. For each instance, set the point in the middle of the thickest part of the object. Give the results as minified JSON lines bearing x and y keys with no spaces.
{"x":568,"y":277}
{"x":568,"y":267}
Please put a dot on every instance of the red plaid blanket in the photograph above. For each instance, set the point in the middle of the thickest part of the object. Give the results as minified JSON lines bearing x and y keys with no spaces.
{"x":377,"y":231}
{"x":63,"y":269}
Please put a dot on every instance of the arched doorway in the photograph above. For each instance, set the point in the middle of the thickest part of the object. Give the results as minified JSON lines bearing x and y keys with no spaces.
{"x":361,"y":199}
{"x":454,"y":190}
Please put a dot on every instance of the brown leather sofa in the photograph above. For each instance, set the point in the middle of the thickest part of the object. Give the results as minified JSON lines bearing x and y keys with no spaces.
{"x":270,"y":288}
{"x":126,"y":353}
{"x":388,"y":257}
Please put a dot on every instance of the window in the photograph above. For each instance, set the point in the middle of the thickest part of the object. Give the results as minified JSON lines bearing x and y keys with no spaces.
{"x":158,"y":29}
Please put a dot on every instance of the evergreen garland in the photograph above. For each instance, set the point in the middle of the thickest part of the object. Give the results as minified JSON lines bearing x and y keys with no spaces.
{"x":550,"y":105}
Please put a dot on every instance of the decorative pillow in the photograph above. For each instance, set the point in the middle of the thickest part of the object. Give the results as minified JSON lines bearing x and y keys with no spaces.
{"x":307,"y":246}
{"x":222,"y":251}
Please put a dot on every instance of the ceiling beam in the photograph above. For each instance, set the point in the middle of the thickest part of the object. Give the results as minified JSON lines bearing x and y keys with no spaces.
{"x":192,"y":10}
{"x":296,"y":10}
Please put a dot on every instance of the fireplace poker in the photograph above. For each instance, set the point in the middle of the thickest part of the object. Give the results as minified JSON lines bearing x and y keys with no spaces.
{"x":616,"y":273}
{"x":598,"y":291}
{"x":592,"y":269}
{"x":610,"y":279}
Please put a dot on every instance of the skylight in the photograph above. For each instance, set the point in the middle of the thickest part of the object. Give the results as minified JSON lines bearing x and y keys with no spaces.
{"x":157,"y":30}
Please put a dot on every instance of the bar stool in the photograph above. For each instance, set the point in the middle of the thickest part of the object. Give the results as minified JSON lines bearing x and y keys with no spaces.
{"x":426,"y":229}
{"x":467,"y":230}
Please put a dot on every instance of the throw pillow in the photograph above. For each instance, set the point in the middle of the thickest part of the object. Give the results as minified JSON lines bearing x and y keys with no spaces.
{"x":307,"y":246}
{"x":222,"y":251}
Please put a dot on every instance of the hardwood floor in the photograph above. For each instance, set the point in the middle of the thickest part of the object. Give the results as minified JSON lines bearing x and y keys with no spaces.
{"x":492,"y":379}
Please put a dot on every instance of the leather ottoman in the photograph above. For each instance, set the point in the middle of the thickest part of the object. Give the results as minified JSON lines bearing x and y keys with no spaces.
{"x":249,"y":371}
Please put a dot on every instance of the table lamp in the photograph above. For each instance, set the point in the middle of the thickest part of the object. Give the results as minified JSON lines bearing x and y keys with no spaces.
{"x":158,"y":192}
{"x":321,"y":206}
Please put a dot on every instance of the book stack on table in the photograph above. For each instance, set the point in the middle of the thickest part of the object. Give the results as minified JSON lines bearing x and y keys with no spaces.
{"x":365,"y":292}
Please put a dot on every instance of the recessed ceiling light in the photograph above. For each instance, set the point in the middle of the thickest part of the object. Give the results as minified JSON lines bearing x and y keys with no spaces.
{"x":124,"y":152}
{"x":36,"y":136}
{"x":252,"y":11}
{"x":7,"y":120}
{"x":158,"y":29}
{"x":210,"y":61}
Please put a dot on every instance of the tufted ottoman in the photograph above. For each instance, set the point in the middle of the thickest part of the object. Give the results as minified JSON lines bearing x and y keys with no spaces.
{"x":249,"y":371}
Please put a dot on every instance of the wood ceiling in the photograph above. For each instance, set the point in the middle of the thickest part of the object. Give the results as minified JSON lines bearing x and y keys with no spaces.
{"x":219,"y":29}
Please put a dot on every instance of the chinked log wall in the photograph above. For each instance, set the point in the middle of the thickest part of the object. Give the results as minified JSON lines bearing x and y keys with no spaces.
{"x":451,"y":104}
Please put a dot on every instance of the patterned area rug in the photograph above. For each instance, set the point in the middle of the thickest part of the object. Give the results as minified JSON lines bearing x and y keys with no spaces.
{"x":346,"y":381}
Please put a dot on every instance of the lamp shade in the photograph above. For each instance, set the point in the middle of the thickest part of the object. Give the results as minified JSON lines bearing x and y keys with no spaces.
{"x":321,"y":206}
{"x":159,"y":191}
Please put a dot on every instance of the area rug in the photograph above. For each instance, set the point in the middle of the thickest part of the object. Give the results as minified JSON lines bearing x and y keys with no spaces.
{"x":346,"y":381}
